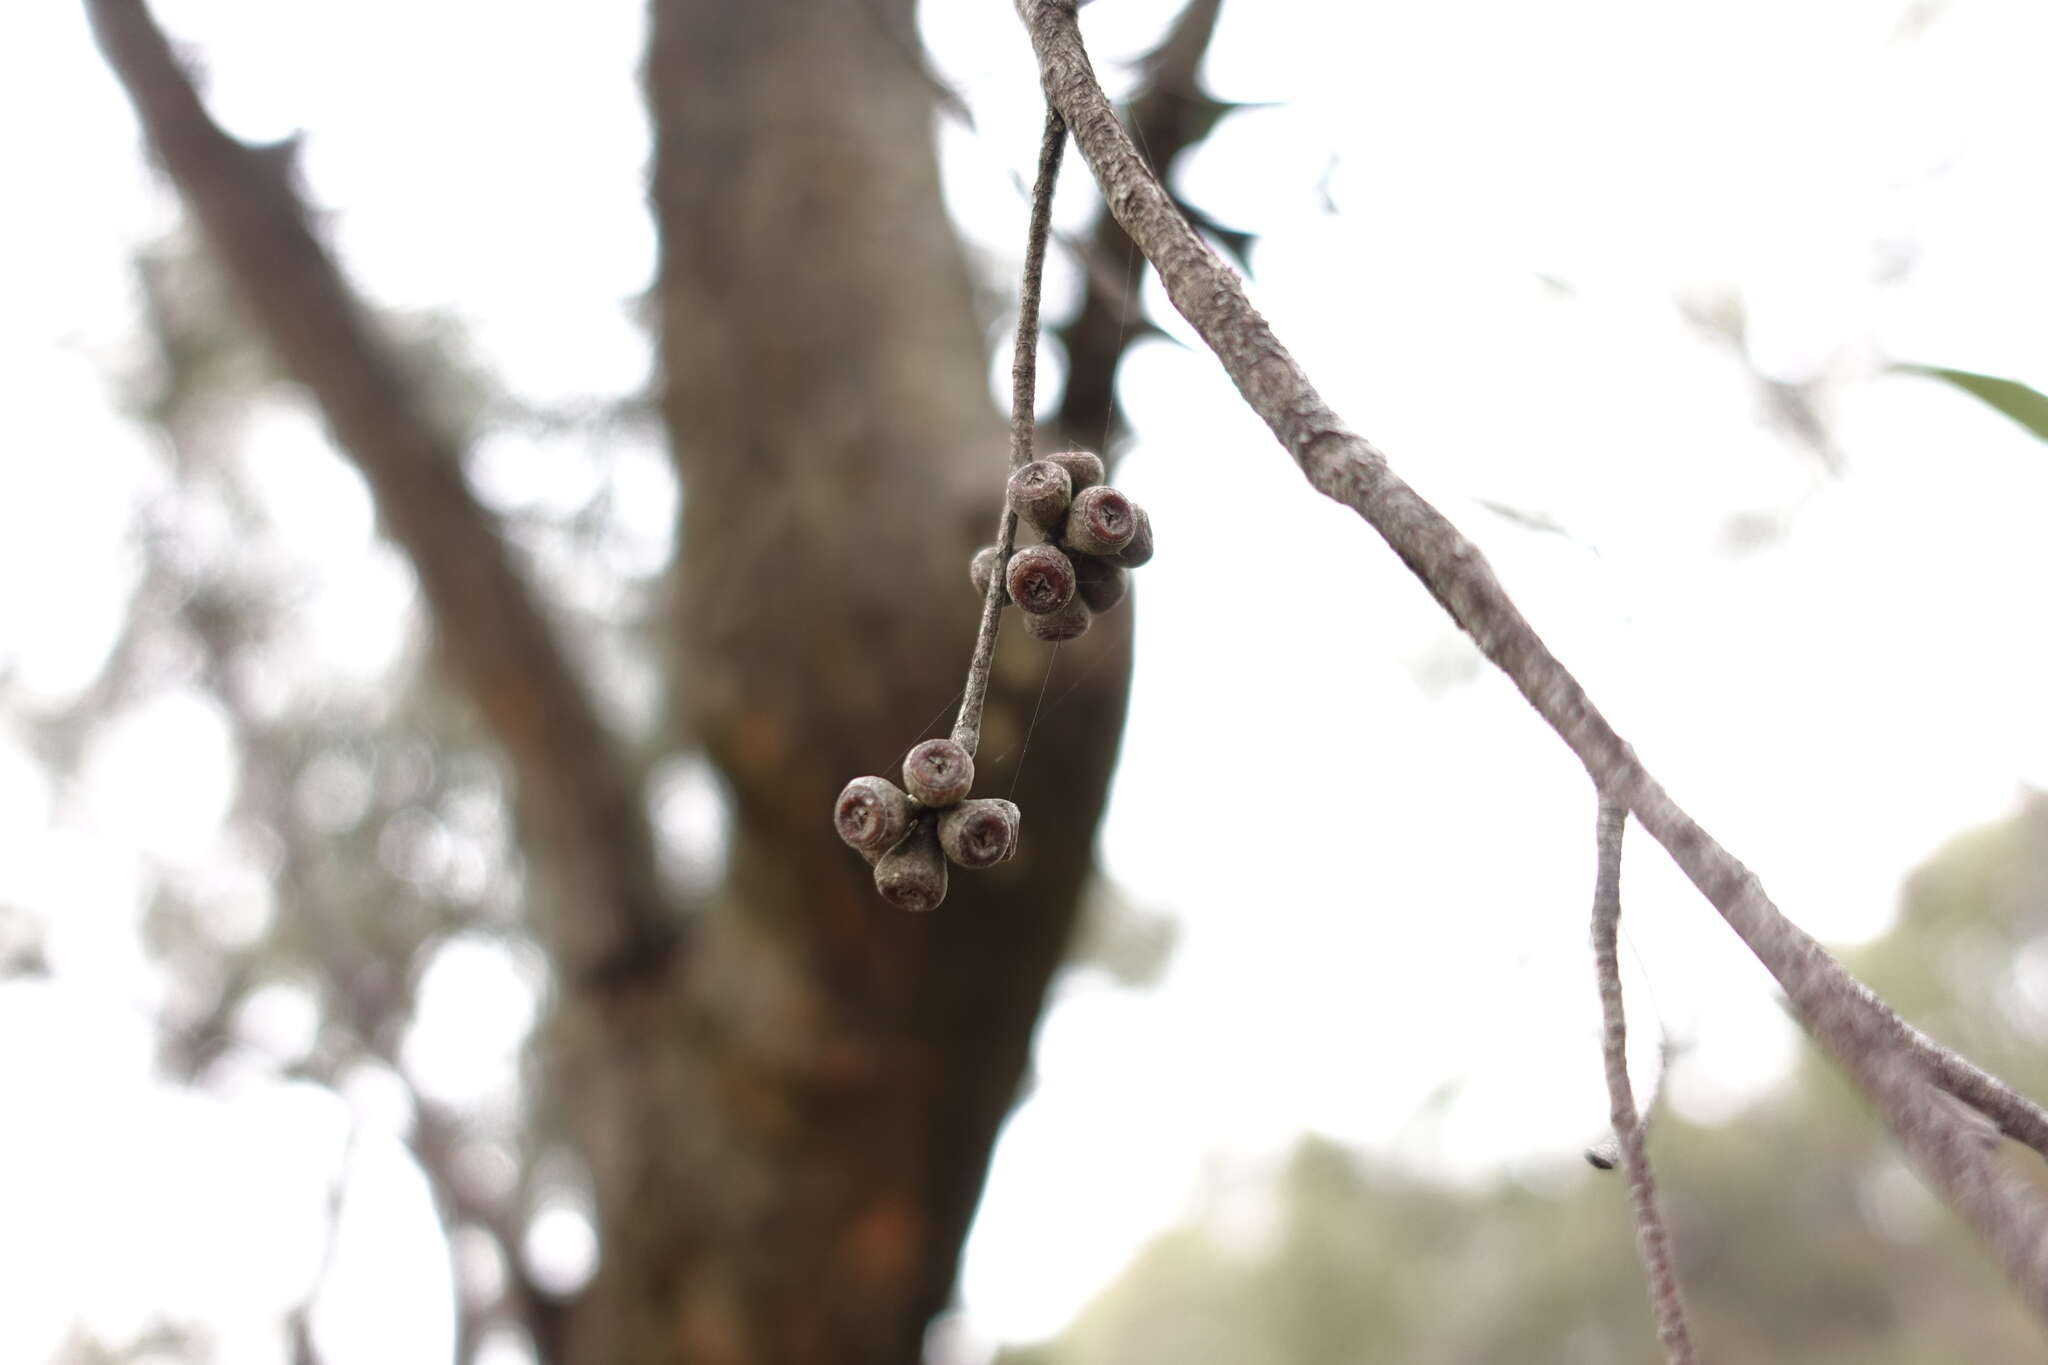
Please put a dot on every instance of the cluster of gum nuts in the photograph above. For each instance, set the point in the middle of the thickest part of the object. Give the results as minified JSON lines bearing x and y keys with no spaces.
{"x":1092,"y":534}
{"x":909,"y":836}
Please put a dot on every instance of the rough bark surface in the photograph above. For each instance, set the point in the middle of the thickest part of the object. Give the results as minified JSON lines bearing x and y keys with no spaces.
{"x":786,"y":1097}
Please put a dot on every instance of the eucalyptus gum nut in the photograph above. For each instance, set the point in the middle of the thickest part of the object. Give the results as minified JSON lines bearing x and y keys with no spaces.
{"x":1040,"y":493}
{"x":980,"y":833}
{"x":1139,"y":551}
{"x":912,"y":875}
{"x":1084,"y":468}
{"x":1100,"y":582}
{"x":984,"y":565}
{"x":1067,"y":623}
{"x":1101,"y":521}
{"x":1041,"y":579}
{"x":871,"y":814}
{"x":939,"y":772}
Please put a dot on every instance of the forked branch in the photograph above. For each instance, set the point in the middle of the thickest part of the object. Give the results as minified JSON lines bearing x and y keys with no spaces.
{"x":1897,"y":1069}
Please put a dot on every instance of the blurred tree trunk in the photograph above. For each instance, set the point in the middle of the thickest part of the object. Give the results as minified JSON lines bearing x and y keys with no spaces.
{"x":786,"y":1095}
{"x":788,"y":1132}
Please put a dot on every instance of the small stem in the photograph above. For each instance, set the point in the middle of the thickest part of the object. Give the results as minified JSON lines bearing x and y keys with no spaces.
{"x":1024,"y":356}
{"x":1023,"y":409}
{"x":1653,"y":1242}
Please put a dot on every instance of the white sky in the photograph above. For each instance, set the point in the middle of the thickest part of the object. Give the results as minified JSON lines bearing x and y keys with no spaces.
{"x":1833,"y":704}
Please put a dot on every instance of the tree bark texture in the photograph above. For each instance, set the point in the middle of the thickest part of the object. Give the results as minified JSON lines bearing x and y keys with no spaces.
{"x":788,"y":1142}
{"x":787,"y":1095}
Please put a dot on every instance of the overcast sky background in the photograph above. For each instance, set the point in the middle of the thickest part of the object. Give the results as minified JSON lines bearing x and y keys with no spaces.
{"x":1478,"y":223}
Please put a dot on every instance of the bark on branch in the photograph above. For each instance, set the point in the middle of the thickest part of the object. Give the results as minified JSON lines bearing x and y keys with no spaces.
{"x":1897,"y":1069}
{"x":1653,"y":1242}
{"x":578,"y":796}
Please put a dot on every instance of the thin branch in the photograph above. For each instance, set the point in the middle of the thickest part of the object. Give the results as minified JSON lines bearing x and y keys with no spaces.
{"x":1653,"y":1242}
{"x":1052,"y":146}
{"x":578,"y":795}
{"x":1023,"y":419}
{"x":1885,"y":1059}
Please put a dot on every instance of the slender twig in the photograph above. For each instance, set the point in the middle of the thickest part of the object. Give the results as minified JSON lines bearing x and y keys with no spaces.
{"x":1605,"y":1154}
{"x":1887,"y":1061}
{"x":1023,"y":404}
{"x":1653,"y":1242}
{"x":1024,"y":355}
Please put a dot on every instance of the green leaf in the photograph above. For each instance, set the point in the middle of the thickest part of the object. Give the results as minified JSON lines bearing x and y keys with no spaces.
{"x":2028,"y":407}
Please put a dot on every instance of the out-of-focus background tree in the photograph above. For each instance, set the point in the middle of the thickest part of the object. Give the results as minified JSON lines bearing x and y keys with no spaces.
{"x":384,"y":981}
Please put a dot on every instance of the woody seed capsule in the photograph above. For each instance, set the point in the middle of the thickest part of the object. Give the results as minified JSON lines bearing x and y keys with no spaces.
{"x":1100,"y":582}
{"x":912,"y":875}
{"x":939,"y":772}
{"x":1041,"y":579}
{"x":979,"y":833}
{"x":1139,"y":551}
{"x":1065,"y":624}
{"x":1039,"y":493}
{"x":984,"y":565}
{"x":1101,"y":521}
{"x":1084,"y":468}
{"x":871,"y":814}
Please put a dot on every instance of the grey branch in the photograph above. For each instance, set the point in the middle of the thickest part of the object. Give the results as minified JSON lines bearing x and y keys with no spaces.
{"x":1023,"y":409}
{"x":1887,"y":1060}
{"x":578,"y":795}
{"x":1653,"y":1242}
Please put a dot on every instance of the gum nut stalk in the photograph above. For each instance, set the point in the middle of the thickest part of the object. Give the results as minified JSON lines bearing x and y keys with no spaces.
{"x":1101,"y":521}
{"x":984,"y":565}
{"x":1139,"y":551}
{"x":939,"y":772}
{"x":979,"y":833}
{"x":1041,"y":579}
{"x":1067,"y":623}
{"x":1084,"y":468}
{"x":1100,"y":582}
{"x":1040,"y":493}
{"x":872,"y":813}
{"x":912,"y":875}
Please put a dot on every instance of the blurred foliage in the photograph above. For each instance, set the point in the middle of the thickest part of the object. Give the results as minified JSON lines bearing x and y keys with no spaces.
{"x":370,"y":829}
{"x":1801,"y":1237}
{"x":2028,"y":407}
